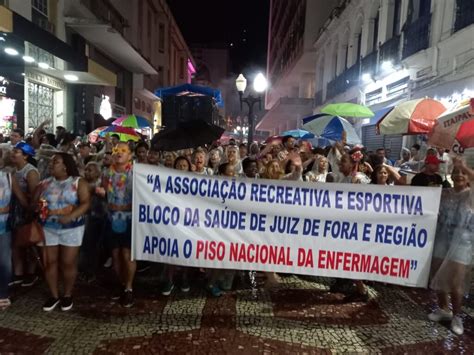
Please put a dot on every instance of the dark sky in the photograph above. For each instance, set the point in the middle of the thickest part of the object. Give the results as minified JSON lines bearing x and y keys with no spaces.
{"x":243,"y":23}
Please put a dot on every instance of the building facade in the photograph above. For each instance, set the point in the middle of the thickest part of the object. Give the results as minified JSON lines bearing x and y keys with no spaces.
{"x":213,"y":70}
{"x":87,"y":59}
{"x":293,"y":28}
{"x":380,"y":53}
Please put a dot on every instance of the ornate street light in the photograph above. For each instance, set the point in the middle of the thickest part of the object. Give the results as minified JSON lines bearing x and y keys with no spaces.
{"x":259,"y":86}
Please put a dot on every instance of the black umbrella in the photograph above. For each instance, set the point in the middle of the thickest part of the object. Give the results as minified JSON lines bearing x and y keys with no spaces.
{"x":189,"y":134}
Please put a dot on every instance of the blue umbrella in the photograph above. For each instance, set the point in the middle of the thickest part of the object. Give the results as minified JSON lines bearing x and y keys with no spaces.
{"x":331,"y":127}
{"x":298,"y":134}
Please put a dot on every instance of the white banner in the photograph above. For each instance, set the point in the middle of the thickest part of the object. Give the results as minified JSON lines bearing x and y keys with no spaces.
{"x":367,"y":232}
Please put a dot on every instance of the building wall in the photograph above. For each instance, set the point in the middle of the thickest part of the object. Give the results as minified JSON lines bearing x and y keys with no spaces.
{"x":293,"y":28}
{"x":431,"y":56}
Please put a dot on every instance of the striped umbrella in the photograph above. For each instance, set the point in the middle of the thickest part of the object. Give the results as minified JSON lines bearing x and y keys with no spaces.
{"x":298,"y":134}
{"x":94,"y":136}
{"x":456,"y":125}
{"x":132,"y":121}
{"x":125,"y":133}
{"x":411,"y":117}
{"x":331,"y":127}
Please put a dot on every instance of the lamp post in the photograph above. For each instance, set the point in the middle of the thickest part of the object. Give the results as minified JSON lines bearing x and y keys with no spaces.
{"x":259,"y":86}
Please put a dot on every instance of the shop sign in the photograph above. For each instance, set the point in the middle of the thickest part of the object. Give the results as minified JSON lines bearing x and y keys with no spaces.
{"x":3,"y":86}
{"x":45,"y":80}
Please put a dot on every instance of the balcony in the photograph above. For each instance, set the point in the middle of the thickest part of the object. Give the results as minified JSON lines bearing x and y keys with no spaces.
{"x":389,"y":51}
{"x":105,"y":11}
{"x":416,"y":36}
{"x":318,"y":98}
{"x":369,"y":63}
{"x":344,"y":81}
{"x":464,"y":14}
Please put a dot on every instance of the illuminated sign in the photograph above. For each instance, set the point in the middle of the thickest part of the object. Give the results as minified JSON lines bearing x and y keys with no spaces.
{"x":3,"y":86}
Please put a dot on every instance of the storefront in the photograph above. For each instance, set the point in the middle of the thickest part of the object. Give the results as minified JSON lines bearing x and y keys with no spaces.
{"x":49,"y":76}
{"x":11,"y":102}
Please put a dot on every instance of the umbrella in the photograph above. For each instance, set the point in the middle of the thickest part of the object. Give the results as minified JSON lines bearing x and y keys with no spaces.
{"x":272,"y":139}
{"x":132,"y":121}
{"x":454,"y":125}
{"x":298,"y":134}
{"x":94,"y":136}
{"x":331,"y":127}
{"x":411,"y":117}
{"x":189,"y":134}
{"x":125,"y":133}
{"x":347,"y":109}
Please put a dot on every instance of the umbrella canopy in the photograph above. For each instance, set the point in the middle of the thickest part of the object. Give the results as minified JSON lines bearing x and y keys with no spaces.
{"x":191,"y":90}
{"x":132,"y":121}
{"x":411,"y":117}
{"x":456,"y":125}
{"x":189,"y":134}
{"x":347,"y":109}
{"x":125,"y":133}
{"x":272,"y":139}
{"x":331,"y":127}
{"x":94,"y":136}
{"x":298,"y":134}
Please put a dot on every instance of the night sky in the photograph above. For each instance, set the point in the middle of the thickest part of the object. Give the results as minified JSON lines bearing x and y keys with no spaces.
{"x":241,"y":25}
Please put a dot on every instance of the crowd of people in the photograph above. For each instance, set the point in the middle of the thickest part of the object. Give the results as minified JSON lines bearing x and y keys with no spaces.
{"x":82,"y":194}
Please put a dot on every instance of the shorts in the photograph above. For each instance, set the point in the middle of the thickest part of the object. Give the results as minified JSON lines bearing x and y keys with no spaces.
{"x":458,"y":249}
{"x":116,"y":240}
{"x":70,"y":237}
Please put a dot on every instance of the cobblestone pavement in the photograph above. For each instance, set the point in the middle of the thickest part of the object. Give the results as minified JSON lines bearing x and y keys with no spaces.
{"x":294,"y":316}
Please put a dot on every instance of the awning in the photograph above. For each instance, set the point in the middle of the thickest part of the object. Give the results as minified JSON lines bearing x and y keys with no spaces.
{"x":112,"y":43}
{"x":286,"y":109}
{"x":190,"y":90}
{"x":96,"y":74}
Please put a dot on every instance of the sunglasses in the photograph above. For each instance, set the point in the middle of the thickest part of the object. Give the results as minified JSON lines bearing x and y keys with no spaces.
{"x":122,"y":150}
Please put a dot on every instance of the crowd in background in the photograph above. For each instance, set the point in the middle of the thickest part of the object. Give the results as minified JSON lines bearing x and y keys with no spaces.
{"x":82,"y":193}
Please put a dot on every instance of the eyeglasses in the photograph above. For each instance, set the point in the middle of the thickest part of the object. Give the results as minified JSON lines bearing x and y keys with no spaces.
{"x":122,"y":150}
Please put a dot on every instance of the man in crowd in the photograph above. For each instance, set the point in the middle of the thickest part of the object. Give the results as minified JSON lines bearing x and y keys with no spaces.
{"x":117,"y":187}
{"x":429,"y":176}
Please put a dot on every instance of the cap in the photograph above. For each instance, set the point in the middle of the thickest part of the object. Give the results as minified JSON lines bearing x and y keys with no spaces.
{"x":25,"y":148}
{"x":433,"y":159}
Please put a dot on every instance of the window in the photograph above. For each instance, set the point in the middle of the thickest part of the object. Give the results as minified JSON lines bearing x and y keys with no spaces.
{"x":161,"y":37}
{"x":375,"y":37}
{"x":140,"y":26}
{"x":40,"y":104}
{"x":39,"y":15}
{"x":373,"y":97}
{"x":359,"y":45}
{"x":417,"y":9}
{"x":181,"y":68}
{"x":346,"y":55}
{"x":41,"y":6}
{"x":397,"y":15}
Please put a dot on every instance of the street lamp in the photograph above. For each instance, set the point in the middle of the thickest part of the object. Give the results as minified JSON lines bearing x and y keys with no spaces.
{"x":259,"y":86}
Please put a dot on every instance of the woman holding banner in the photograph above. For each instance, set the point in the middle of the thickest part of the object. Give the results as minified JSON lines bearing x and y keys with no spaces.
{"x":349,"y":173}
{"x":452,"y":254}
{"x":181,"y":163}
{"x":319,"y":171}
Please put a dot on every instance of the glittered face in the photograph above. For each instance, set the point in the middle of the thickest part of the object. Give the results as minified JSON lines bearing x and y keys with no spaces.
{"x":121,"y":153}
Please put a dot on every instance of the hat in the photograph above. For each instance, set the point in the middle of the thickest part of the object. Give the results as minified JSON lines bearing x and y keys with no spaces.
{"x":433,"y":159}
{"x":25,"y":148}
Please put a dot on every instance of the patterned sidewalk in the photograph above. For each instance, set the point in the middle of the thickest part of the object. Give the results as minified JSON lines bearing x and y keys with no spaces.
{"x":296,"y":316}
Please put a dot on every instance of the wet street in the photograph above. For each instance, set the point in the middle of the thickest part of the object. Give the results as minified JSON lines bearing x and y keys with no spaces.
{"x":295,"y":316}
